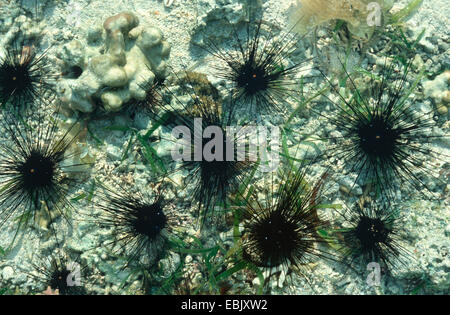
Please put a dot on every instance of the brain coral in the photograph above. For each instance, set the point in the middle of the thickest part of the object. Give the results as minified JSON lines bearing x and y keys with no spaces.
{"x":116,"y":71}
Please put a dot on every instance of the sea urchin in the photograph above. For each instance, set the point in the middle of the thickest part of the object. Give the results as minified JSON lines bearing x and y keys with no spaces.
{"x":24,"y":77}
{"x":260,"y":70}
{"x":373,"y":236}
{"x":213,"y":179}
{"x":283,"y":230}
{"x":381,"y":136}
{"x":60,"y":275}
{"x":141,"y":225}
{"x":33,"y":169}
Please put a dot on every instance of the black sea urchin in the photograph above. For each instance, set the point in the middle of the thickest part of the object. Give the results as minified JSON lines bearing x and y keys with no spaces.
{"x":141,"y":225}
{"x":260,"y":68}
{"x":24,"y":77}
{"x":213,"y":179}
{"x":381,"y":136}
{"x":59,"y":275}
{"x":283,"y":229}
{"x":33,"y":169}
{"x":373,"y":236}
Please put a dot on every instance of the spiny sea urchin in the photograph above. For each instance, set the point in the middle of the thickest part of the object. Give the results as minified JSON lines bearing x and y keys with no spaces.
{"x":33,"y":169}
{"x":373,"y":235}
{"x":59,"y":275}
{"x":24,"y":77}
{"x":283,"y":229}
{"x":141,"y":225}
{"x":213,"y":179}
{"x":381,"y":135}
{"x":260,"y":68}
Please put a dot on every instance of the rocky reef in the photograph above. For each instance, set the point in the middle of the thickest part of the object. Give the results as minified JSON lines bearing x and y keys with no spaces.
{"x":115,"y":72}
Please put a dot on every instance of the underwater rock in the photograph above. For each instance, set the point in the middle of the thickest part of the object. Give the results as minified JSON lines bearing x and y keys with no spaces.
{"x":230,"y":10}
{"x":116,"y":72}
{"x":22,"y":30}
{"x":8,"y":273}
{"x":218,"y":15}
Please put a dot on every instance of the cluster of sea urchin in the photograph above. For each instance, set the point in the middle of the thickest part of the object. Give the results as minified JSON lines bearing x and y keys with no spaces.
{"x":380,"y":136}
{"x":381,"y":139}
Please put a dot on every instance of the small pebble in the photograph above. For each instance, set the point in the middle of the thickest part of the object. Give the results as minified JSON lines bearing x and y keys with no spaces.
{"x":8,"y":273}
{"x":446,"y":97}
{"x":443,"y":110}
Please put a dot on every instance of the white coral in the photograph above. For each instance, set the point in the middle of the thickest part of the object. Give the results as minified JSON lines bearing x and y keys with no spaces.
{"x":133,"y":57}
